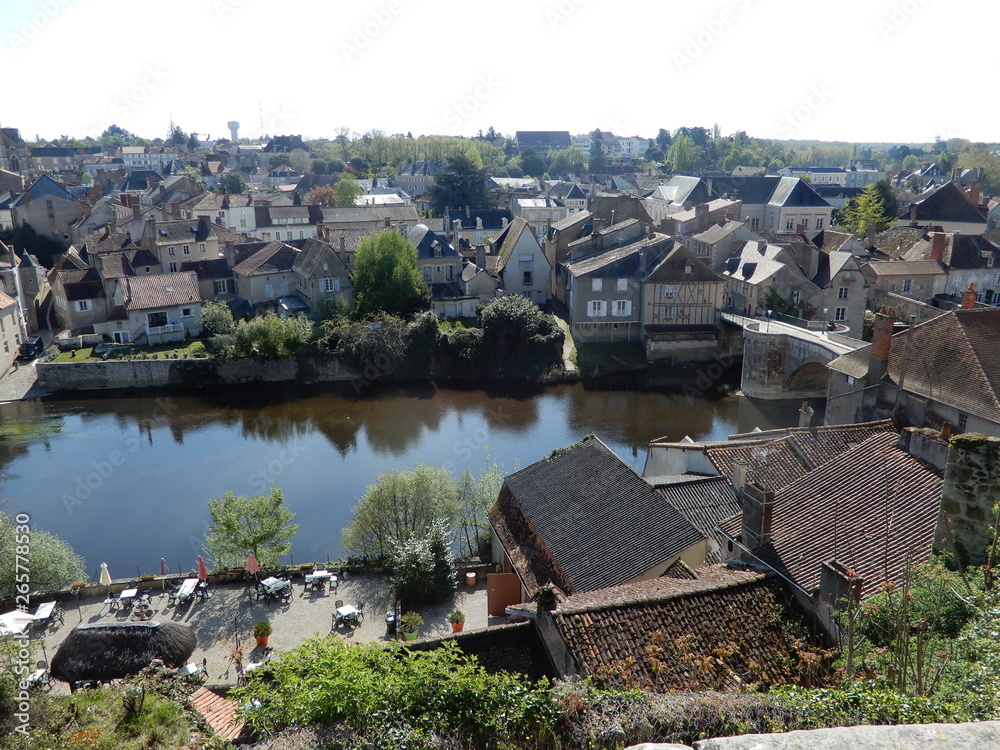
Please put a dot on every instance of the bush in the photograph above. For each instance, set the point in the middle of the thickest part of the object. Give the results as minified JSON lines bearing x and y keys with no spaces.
{"x":423,"y":570}
{"x":410,"y":622}
{"x":271,"y":336}
{"x":217,"y":318}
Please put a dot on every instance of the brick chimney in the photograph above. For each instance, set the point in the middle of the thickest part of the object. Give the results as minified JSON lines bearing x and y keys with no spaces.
{"x":878,"y":359}
{"x":974,"y":193}
{"x":969,"y":297}
{"x":481,"y":255}
{"x":937,"y":245}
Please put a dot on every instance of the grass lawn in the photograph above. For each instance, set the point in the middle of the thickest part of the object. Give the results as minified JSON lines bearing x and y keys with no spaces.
{"x":194,"y":349}
{"x":602,"y":359}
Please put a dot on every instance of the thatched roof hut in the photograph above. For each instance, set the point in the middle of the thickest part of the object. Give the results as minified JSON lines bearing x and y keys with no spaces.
{"x":113,"y":651}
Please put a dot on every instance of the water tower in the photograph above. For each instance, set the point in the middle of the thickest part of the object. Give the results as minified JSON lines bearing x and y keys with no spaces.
{"x":234,"y":130}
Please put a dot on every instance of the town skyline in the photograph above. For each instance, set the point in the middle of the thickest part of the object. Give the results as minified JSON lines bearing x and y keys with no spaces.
{"x":557,"y":66}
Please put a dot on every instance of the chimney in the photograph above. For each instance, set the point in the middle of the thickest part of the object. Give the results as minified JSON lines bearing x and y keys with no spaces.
{"x":468,"y":212}
{"x":481,"y":255}
{"x":739,"y":476}
{"x":758,"y":514}
{"x":343,"y":244}
{"x":701,"y":213}
{"x":386,"y":221}
{"x":456,"y":227}
{"x":956,"y":174}
{"x":945,"y":433}
{"x":805,"y":415}
{"x":598,"y":225}
{"x":800,"y":229}
{"x":937,"y":245}
{"x":175,"y":209}
{"x":969,"y":297}
{"x":878,"y":359}
{"x":974,"y":193}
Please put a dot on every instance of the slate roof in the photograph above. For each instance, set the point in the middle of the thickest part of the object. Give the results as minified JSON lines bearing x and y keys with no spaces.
{"x":45,"y":186}
{"x":961,"y":251}
{"x":704,"y":501}
{"x":583,"y":519}
{"x":793,"y":192}
{"x":180,"y":231}
{"x":209,"y":201}
{"x":946,"y":203}
{"x":493,"y":218}
{"x":717,"y":232}
{"x":751,"y":191}
{"x":681,"y":189}
{"x":546,"y":139}
{"x":157,"y":290}
{"x":873,"y":509}
{"x":906,"y":267}
{"x":309,"y":259}
{"x":659,"y":630}
{"x":508,"y":239}
{"x":622,"y":260}
{"x":216,"y":268}
{"x":428,"y":168}
{"x":566,"y":191}
{"x":274,"y":257}
{"x":426,"y":240}
{"x":566,"y":222}
{"x":953,"y":360}
{"x":97,"y":242}
{"x":672,"y":268}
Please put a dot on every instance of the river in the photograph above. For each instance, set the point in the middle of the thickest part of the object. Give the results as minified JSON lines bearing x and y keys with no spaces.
{"x":125,"y":478}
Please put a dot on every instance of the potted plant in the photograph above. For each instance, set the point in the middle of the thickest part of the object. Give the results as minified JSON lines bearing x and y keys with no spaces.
{"x":147,"y":577}
{"x":261,"y":630}
{"x":457,"y":620}
{"x":409,"y":623}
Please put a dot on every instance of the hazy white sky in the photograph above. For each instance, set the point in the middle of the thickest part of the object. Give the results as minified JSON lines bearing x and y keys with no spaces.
{"x":856,"y":70}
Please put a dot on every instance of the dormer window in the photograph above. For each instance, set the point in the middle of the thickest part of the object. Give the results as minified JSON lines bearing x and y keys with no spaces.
{"x":437,"y":251}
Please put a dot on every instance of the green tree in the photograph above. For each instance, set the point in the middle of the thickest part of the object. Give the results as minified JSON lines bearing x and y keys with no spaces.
{"x":567,"y":161}
{"x":597,"y":163}
{"x":532,"y":164}
{"x":271,"y":336}
{"x":50,"y":563}
{"x":280,"y":160}
{"x":663,"y":140}
{"x":477,"y":493}
{"x":217,"y":318}
{"x":399,"y":507}
{"x":911,"y":163}
{"x":386,"y":278}
{"x":680,"y":155}
{"x":513,"y":326}
{"x":346,"y":191}
{"x":460,"y":183}
{"x":423,"y":568}
{"x":231,"y":182}
{"x":260,"y":524}
{"x":176,"y":136}
{"x":867,"y":211}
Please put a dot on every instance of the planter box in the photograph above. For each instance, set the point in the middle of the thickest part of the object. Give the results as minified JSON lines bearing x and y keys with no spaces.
{"x":410,"y":636}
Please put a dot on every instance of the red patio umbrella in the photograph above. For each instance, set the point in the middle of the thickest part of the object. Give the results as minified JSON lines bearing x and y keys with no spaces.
{"x":202,"y":570}
{"x":252,"y":566}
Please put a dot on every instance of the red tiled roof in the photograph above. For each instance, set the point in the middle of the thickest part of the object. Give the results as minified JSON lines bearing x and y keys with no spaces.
{"x":220,"y":713}
{"x":161,"y":290}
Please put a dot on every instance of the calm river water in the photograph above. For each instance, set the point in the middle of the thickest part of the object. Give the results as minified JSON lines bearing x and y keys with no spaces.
{"x":125,"y":479}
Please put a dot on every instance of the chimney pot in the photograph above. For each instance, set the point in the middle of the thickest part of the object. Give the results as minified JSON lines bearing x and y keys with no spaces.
{"x":969,"y":297}
{"x":945,"y":433}
{"x":937,"y":245}
{"x":878,"y":361}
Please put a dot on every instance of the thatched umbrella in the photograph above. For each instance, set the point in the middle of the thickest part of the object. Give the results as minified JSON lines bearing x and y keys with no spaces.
{"x":113,"y":651}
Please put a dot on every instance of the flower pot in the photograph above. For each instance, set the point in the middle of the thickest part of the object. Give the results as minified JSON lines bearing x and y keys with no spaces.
{"x":456,"y":627}
{"x":410,"y":636}
{"x":261,"y":640}
{"x":470,"y":579}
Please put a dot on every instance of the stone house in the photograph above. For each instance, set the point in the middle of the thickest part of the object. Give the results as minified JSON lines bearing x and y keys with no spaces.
{"x":540,"y":212}
{"x":154,"y":309}
{"x":521,"y":264}
{"x":322,"y":275}
{"x":216,"y":281}
{"x":775,"y":204}
{"x":177,"y":241}
{"x":266,"y":275}
{"x":11,"y":331}
{"x":718,"y":243}
{"x":49,"y":209}
{"x":78,"y":296}
{"x":949,"y":208}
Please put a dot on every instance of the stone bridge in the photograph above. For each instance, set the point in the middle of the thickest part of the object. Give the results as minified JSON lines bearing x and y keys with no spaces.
{"x":785,"y":361}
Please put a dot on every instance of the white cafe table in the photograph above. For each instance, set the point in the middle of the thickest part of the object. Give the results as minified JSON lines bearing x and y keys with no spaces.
{"x":127,"y":596}
{"x":187,"y":588}
{"x":15,"y":623}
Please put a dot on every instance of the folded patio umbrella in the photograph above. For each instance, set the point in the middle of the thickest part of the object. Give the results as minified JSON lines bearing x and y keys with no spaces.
{"x":105,"y":579}
{"x":202,"y":569}
{"x":252,"y":566}
{"x":164,"y":570}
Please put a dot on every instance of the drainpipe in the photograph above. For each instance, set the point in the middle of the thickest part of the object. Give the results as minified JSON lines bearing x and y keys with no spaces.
{"x":902,"y":365}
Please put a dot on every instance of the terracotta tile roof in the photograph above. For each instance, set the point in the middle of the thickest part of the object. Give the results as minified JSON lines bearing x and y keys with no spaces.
{"x":160,"y":290}
{"x":583,"y":519}
{"x":501,"y":648}
{"x":659,"y":630}
{"x":220,"y":713}
{"x":873,"y":509}
{"x":770,"y":465}
{"x":953,"y":360}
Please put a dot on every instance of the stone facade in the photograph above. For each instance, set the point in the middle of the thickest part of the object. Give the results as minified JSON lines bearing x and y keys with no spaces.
{"x":971,"y":489}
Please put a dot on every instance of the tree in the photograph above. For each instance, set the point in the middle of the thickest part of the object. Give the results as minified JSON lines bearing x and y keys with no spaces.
{"x":567,"y":161}
{"x":516,"y":331}
{"x":231,"y":182}
{"x":423,"y":568}
{"x":866,"y":212}
{"x":597,"y":162}
{"x":460,"y":183}
{"x":271,"y":336}
{"x":399,"y":507}
{"x":50,"y":562}
{"x":176,"y":136}
{"x":320,"y":196}
{"x":319,"y":166}
{"x":279,"y":160}
{"x":532,"y":164}
{"x":217,"y":318}
{"x":911,"y":163}
{"x":260,"y":524}
{"x":386,"y":278}
{"x":477,"y":495}
{"x":346,"y":191}
{"x":663,"y":140}
{"x":680,"y":153}
{"x":193,"y":142}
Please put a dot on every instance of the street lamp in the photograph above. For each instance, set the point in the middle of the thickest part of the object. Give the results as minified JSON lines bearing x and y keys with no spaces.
{"x":768,"y":321}
{"x":826,"y":321}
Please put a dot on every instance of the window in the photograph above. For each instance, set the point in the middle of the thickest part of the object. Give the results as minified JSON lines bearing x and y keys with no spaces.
{"x":937,"y":285}
{"x":805,"y":223}
{"x":526,"y":278}
{"x":173,"y":266}
{"x":302,"y":234}
{"x":622,"y":285}
{"x":842,"y":293}
{"x":963,"y":420}
{"x":223,"y":286}
{"x":789,"y":224}
{"x":795,"y":296}
{"x":449,"y":272}
{"x":243,"y":223}
{"x":427,"y":273}
{"x":755,"y":223}
{"x":840,"y":314}
{"x":170,"y":251}
{"x":148,"y":269}
{"x":330,"y":284}
{"x":156,"y":319}
{"x":920,"y":287}
{"x":187,"y":249}
{"x":596,"y":308}
{"x":852,"y":381}
{"x":202,"y":248}
{"x":596,"y":285}
{"x":668,"y":312}
{"x":668,"y":291}
{"x":892,"y":287}
{"x":623,"y":307}
{"x":82,"y":305}
{"x":186,"y":312}
{"x":6,"y":347}
{"x":819,"y":223}
{"x":906,"y":286}
{"x":958,"y":280}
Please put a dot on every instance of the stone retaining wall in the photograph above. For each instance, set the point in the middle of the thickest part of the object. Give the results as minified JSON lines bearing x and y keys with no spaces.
{"x":971,"y":489}
{"x":191,"y":373}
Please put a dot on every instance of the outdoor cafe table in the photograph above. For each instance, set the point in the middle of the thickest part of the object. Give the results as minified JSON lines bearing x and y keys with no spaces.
{"x":273,"y":585}
{"x":15,"y":623}
{"x":348,"y":614}
{"x":320,"y":577}
{"x":127,"y":596}
{"x":186,"y":590}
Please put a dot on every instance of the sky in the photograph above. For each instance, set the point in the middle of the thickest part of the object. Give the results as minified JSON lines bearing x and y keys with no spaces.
{"x":851,"y":70}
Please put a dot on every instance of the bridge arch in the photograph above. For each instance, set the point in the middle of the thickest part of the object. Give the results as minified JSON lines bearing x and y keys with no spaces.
{"x":809,"y":376}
